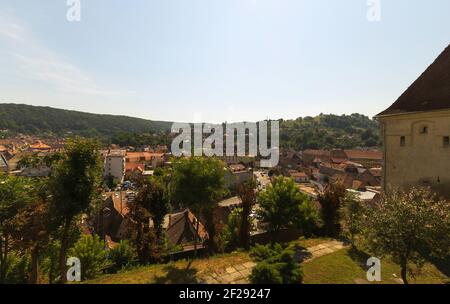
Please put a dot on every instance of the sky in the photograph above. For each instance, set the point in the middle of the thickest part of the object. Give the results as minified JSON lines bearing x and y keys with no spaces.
{"x":218,"y":60}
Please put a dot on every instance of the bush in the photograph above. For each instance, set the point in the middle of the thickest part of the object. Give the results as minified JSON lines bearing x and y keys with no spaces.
{"x":19,"y":267}
{"x":90,"y":250}
{"x":275,"y":265}
{"x":123,"y":256}
{"x":264,"y":273}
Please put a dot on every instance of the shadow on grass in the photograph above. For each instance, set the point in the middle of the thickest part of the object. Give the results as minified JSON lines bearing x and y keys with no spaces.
{"x":176,"y":275}
{"x":443,"y":265}
{"x":359,"y":256}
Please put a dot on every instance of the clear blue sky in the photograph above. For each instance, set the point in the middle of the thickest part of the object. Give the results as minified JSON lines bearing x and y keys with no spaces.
{"x":221,"y":60}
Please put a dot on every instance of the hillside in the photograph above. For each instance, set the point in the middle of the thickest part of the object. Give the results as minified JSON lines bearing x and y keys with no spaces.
{"x":323,"y":131}
{"x":45,"y":120}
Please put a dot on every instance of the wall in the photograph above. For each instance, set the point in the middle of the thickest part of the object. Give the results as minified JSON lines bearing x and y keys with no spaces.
{"x":423,"y":161}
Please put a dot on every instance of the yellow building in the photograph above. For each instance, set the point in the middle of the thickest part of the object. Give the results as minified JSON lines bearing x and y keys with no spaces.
{"x":416,"y":132}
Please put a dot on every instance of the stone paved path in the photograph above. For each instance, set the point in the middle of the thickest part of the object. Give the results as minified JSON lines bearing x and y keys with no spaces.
{"x":238,"y":274}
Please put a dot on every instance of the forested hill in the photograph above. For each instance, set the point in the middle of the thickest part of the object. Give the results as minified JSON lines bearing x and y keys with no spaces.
{"x":45,"y":120}
{"x":330,"y":131}
{"x":323,"y":131}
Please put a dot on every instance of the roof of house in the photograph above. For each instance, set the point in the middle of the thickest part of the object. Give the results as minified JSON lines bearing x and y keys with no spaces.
{"x":40,"y":145}
{"x":364,"y":154}
{"x":430,"y":92}
{"x":181,"y":228}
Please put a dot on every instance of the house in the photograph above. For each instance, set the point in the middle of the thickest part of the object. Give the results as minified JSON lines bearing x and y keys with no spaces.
{"x":367,"y":158}
{"x":39,"y":146}
{"x":299,"y":177}
{"x":416,"y":132}
{"x":237,"y":174}
{"x":181,"y":230}
{"x":115,"y":165}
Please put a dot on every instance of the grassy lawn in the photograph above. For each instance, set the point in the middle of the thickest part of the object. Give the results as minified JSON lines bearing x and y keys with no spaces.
{"x":176,"y":272}
{"x":343,"y":267}
{"x":340,"y":267}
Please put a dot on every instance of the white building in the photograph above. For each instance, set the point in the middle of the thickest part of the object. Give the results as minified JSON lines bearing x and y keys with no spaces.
{"x":115,"y":165}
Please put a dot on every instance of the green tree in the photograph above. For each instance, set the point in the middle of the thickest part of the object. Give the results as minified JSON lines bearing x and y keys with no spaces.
{"x":275,"y":265}
{"x":351,"y":213}
{"x":73,"y":185}
{"x":407,"y":226}
{"x":14,"y":195}
{"x":123,"y":256}
{"x":30,"y":232}
{"x":330,"y":202}
{"x":92,"y":254}
{"x":154,"y":198}
{"x":198,"y":183}
{"x":283,"y":206}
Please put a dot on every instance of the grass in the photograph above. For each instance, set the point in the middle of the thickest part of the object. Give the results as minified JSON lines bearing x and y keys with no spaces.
{"x":340,"y":267}
{"x":178,"y":272}
{"x":344,"y":266}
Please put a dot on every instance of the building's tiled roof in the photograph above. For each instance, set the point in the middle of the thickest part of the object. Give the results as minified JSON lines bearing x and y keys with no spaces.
{"x":430,"y":92}
{"x":40,"y":145}
{"x":364,"y":154}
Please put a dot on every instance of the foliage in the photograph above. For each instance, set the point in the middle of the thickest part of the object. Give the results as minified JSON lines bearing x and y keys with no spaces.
{"x":18,"y":268}
{"x":198,"y":183}
{"x":74,"y":184}
{"x":283,"y":206}
{"x":50,"y":121}
{"x":154,"y":198}
{"x":14,"y":195}
{"x":351,"y":213}
{"x":123,"y":256}
{"x":407,"y":225}
{"x":230,"y":233}
{"x":329,"y":132}
{"x":330,"y":202}
{"x":275,"y":265}
{"x":30,"y":232}
{"x":92,"y":254}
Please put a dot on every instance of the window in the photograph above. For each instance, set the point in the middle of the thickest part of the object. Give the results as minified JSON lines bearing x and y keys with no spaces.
{"x":402,"y":141}
{"x":446,"y":141}
{"x":424,"y":130}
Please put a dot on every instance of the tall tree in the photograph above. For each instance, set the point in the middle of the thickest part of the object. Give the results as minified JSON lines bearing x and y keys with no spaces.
{"x":198,"y":183}
{"x":283,"y":206}
{"x":247,"y":195}
{"x":408,"y":226}
{"x":30,"y":232}
{"x":73,"y":184}
{"x":14,"y":195}
{"x":351,"y":213}
{"x":330,"y":202}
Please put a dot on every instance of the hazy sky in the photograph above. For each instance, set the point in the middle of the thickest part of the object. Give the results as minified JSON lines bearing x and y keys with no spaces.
{"x":221,"y":60}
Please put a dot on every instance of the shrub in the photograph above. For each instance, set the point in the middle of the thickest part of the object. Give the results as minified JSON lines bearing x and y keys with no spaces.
{"x":275,"y":265}
{"x":123,"y":256}
{"x":90,"y":250}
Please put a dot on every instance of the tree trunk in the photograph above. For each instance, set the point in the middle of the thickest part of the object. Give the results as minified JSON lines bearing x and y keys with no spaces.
{"x":35,"y":265}
{"x":63,"y":251}
{"x":4,"y":259}
{"x":245,"y":226}
{"x":404,"y":272}
{"x":210,"y":228}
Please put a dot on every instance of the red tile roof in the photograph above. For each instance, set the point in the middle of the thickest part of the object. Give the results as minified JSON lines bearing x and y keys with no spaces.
{"x":364,"y":154}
